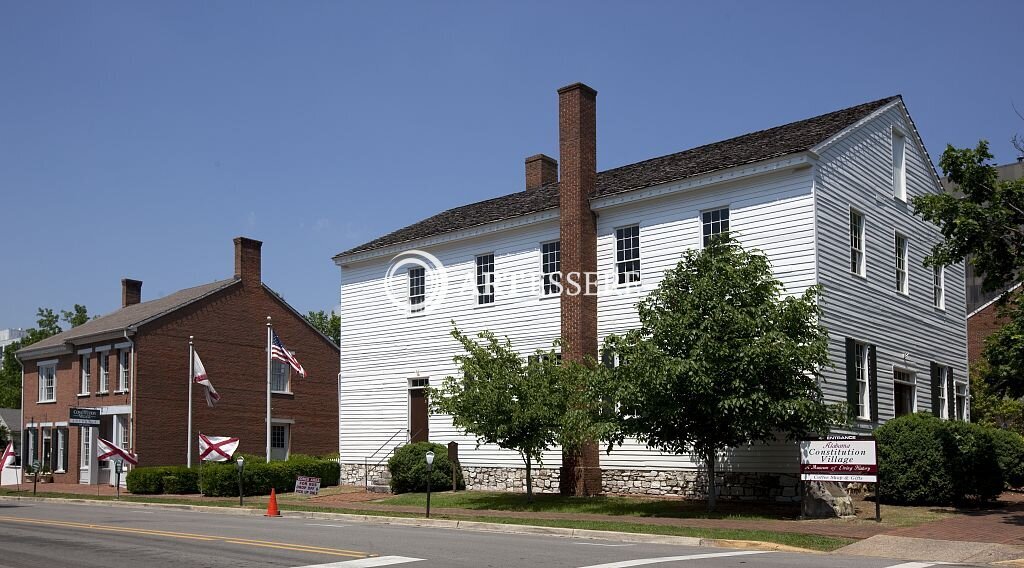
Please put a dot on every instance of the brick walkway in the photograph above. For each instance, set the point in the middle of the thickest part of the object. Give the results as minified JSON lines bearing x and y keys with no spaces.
{"x":1003,"y":525}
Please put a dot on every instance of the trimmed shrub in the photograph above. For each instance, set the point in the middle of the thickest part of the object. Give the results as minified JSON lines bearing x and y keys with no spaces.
{"x":146,"y":480}
{"x":923,"y":460}
{"x":1010,"y":452}
{"x":221,"y":479}
{"x":408,"y":468}
{"x":180,"y":480}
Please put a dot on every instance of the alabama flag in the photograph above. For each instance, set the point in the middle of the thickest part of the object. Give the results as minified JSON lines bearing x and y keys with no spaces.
{"x":216,"y":448}
{"x":8,"y":456}
{"x":199,"y":376}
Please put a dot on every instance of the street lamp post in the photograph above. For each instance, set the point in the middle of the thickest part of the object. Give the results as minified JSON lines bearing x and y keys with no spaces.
{"x":430,"y":469}
{"x":240,"y":464}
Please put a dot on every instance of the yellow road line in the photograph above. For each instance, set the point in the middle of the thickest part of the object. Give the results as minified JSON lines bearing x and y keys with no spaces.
{"x":190,"y":536}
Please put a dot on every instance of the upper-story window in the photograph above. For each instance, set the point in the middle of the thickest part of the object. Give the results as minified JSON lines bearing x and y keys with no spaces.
{"x":902,"y":246}
{"x":48,"y":383}
{"x":280,"y":376}
{"x":417,"y":288}
{"x":551,"y":267}
{"x":939,"y":287}
{"x":627,"y":254}
{"x":856,"y":243}
{"x":83,"y":387}
{"x":104,"y":365}
{"x":899,"y":165}
{"x":714,"y":222}
{"x":485,"y":279}
{"x":124,"y":360}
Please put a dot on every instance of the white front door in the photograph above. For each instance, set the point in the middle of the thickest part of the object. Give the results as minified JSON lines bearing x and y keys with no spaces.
{"x":86,"y":454}
{"x":280,"y":440}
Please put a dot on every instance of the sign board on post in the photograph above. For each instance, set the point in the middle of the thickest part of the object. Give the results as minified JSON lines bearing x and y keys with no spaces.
{"x":84,"y":417}
{"x":307,"y":485}
{"x":839,"y":458}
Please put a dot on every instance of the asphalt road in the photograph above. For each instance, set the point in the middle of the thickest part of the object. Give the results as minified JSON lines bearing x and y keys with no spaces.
{"x":34,"y":534}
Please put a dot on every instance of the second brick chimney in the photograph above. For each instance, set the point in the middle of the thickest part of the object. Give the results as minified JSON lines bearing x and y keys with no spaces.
{"x":247,"y":261}
{"x":131,"y":292}
{"x":577,"y":147}
{"x":540,"y":171}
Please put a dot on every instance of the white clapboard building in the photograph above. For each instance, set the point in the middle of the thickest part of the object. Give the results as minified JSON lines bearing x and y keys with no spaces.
{"x":826,"y":198}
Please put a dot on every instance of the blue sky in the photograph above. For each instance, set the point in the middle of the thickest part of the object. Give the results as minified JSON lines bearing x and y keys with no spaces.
{"x":138,"y":138}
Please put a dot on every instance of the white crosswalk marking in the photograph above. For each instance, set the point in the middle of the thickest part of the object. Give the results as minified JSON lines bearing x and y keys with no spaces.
{"x":366,"y":562}
{"x":643,"y":561}
{"x":915,"y":565}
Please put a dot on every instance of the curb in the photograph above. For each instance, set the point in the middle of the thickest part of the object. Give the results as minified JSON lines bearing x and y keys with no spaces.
{"x":562,"y":532}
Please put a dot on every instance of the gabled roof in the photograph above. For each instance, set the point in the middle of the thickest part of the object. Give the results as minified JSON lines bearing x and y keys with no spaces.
{"x":11,"y":417}
{"x":757,"y":146}
{"x":131,"y":316}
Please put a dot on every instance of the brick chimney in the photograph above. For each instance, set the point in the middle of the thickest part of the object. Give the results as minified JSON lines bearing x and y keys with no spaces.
{"x":540,"y":170}
{"x":577,"y":147}
{"x":131,"y":292}
{"x":247,"y":261}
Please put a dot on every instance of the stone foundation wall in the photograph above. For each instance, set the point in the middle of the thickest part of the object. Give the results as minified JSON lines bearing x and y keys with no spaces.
{"x":509,"y":479}
{"x":352,"y":474}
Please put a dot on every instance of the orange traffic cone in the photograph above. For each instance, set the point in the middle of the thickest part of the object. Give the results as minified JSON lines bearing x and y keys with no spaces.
{"x":272,"y":505}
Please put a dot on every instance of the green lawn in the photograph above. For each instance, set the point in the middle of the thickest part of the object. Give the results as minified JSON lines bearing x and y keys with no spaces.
{"x":618,"y":506}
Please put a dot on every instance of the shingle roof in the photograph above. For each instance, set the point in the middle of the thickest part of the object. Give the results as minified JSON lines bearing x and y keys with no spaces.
{"x":12,"y":418}
{"x":754,"y":147}
{"x":131,"y":316}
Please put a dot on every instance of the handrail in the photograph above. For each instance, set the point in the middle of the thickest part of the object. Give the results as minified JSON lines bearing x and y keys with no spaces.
{"x":366,"y":459}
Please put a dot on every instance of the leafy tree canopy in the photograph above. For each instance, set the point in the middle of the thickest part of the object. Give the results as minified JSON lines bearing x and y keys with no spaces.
{"x":47,"y":325}
{"x":722,"y":359}
{"x":327,"y":324}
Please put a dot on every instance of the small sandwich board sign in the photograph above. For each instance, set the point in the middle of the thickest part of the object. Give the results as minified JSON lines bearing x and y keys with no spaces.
{"x":839,"y":458}
{"x":84,"y":417}
{"x":307,"y":485}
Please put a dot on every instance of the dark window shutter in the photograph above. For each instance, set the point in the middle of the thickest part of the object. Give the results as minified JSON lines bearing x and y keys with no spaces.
{"x":950,"y":394}
{"x":65,"y":434}
{"x":873,"y":382}
{"x":851,"y":376}
{"x":936,"y":411}
{"x":37,"y":447}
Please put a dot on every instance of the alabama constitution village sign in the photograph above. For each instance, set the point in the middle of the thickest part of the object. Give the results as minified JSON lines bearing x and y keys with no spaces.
{"x":839,"y":458}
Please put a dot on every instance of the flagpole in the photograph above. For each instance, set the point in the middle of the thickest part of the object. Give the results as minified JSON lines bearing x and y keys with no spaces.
{"x":269,"y":332}
{"x":191,"y":379}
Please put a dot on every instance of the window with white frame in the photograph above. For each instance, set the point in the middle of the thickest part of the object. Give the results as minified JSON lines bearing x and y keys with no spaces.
{"x":961,"y":400}
{"x":124,"y":359}
{"x":904,"y":392}
{"x":417,"y":288}
{"x":85,"y":455}
{"x":856,"y":243}
{"x":902,"y":277}
{"x":714,"y":222}
{"x":863,"y":382}
{"x":280,"y":376}
{"x":899,"y":165}
{"x":627,"y":255}
{"x":485,"y":279}
{"x":83,"y":387}
{"x":104,"y":365}
{"x":48,"y":383}
{"x":62,"y":439}
{"x":939,"y":287}
{"x":943,"y":389}
{"x":126,"y":432}
{"x":551,"y":267}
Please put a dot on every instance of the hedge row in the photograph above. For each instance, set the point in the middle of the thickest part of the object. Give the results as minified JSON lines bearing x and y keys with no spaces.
{"x":221,"y":479}
{"x":408,"y":469}
{"x":923,"y":460}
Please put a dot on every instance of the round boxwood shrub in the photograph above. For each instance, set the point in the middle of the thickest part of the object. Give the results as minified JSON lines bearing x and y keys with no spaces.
{"x":923,"y":460}
{"x":145,"y":480}
{"x":1010,"y":452}
{"x":408,"y":468}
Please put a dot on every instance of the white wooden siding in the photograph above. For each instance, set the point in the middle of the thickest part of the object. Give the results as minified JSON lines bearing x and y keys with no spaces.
{"x":856,"y":171}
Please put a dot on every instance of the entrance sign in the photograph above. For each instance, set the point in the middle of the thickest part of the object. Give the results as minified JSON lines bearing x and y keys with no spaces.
{"x":839,"y":458}
{"x":84,"y":417}
{"x":307,"y":485}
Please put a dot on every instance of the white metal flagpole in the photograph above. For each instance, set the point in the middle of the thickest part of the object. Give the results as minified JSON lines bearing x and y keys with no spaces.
{"x":269,"y":332}
{"x":191,"y":379}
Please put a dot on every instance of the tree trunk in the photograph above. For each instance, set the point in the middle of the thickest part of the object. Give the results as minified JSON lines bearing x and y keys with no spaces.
{"x":709,"y":463}
{"x":529,"y":480}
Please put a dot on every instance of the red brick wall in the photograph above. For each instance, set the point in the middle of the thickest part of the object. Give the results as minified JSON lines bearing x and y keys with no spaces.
{"x":230,"y":336}
{"x":979,"y":327}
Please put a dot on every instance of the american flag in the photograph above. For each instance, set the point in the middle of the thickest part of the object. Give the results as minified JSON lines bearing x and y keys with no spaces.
{"x":279,"y":352}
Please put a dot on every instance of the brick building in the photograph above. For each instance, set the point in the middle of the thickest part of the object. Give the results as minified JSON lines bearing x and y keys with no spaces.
{"x":133,"y":366}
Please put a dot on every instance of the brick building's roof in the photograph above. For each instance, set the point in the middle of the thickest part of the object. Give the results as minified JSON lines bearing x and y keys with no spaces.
{"x":11,"y":417}
{"x":754,"y":147}
{"x":130,"y":316}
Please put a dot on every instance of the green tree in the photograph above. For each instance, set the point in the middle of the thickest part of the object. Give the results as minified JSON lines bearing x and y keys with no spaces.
{"x":989,"y":408}
{"x":722,"y":359}
{"x":985,"y":221}
{"x":47,"y":325}
{"x":327,"y":324}
{"x":502,"y":399}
